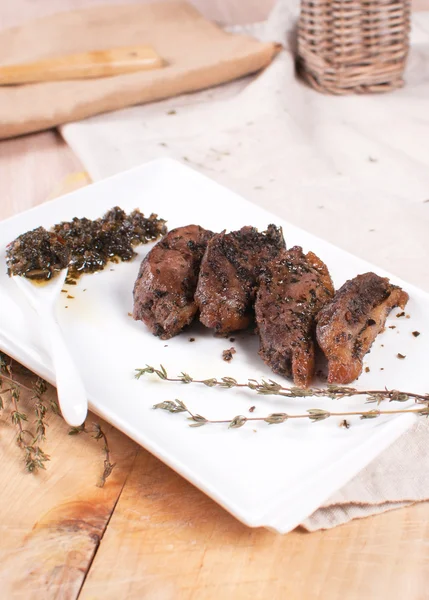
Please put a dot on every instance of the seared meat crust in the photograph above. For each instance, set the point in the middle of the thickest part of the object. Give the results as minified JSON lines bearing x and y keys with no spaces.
{"x":348,"y":325}
{"x":165,"y":286}
{"x":293,"y":288}
{"x":228,"y":276}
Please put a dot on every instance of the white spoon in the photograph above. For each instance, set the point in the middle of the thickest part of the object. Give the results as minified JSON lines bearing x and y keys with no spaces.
{"x":70,"y":389}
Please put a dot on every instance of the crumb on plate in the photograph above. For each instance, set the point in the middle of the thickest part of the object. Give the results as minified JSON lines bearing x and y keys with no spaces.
{"x":227,"y":354}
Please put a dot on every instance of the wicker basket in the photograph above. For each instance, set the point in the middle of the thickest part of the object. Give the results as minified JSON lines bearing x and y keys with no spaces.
{"x":353,"y":46}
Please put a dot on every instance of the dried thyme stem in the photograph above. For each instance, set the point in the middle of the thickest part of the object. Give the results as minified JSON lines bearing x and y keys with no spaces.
{"x":271,"y":387}
{"x":98,"y":434}
{"x":34,"y":455}
{"x":314,"y":414}
{"x":108,"y":466}
{"x":365,"y":414}
{"x":17,"y":419}
{"x":40,"y":409}
{"x":14,"y":382}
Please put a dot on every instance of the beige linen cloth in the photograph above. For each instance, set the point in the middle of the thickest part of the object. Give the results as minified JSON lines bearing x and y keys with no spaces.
{"x":198,"y":55}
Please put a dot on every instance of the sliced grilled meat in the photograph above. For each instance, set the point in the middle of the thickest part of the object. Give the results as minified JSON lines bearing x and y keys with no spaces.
{"x":348,"y":325}
{"x":165,"y":286}
{"x":293,"y":288}
{"x":229,"y":272}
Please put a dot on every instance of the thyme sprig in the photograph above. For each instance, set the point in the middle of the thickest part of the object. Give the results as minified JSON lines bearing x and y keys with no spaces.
{"x":313,"y":414}
{"x":98,"y":434}
{"x":28,"y":440}
{"x":34,"y":457}
{"x":108,"y":465}
{"x":270,"y":387}
{"x":273,"y":388}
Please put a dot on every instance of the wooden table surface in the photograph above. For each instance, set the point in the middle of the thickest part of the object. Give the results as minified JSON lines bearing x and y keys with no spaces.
{"x":148,"y":533}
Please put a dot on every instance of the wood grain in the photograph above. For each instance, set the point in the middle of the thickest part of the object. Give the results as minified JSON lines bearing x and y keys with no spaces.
{"x":167,"y":540}
{"x":31,"y":167}
{"x":149,"y":533}
{"x":51,"y":523}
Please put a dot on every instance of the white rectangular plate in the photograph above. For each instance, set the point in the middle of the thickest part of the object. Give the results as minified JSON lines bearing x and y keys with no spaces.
{"x":272,"y":476}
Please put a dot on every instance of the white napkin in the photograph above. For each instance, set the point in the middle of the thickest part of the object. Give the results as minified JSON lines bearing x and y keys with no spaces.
{"x":353,"y":170}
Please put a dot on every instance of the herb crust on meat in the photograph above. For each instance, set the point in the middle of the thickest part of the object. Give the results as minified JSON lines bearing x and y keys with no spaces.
{"x":293,"y":288}
{"x":349,"y":324}
{"x":229,"y":273}
{"x":166,"y":283}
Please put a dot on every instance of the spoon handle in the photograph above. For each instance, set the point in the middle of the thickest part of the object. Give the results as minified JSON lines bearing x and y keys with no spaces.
{"x":71,"y":392}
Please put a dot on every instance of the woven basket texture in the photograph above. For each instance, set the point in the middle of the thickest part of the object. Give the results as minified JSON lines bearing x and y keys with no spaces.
{"x":353,"y":46}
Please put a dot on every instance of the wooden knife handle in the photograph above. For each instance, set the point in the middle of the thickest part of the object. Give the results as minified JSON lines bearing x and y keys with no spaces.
{"x":98,"y":63}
